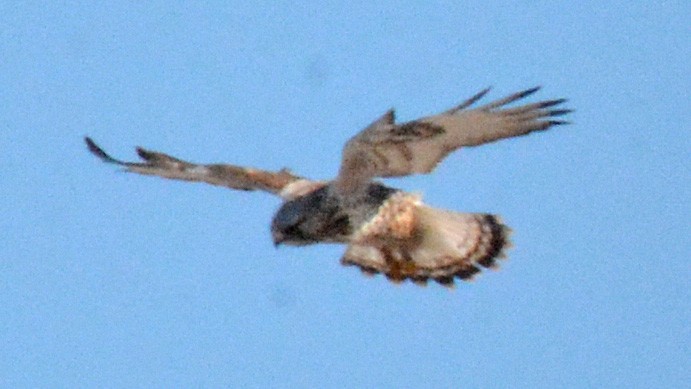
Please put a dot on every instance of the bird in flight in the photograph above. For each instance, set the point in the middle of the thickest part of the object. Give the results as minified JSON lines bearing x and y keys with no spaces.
{"x":386,"y":230}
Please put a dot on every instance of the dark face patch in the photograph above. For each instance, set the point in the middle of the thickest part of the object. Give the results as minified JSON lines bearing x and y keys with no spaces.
{"x":312,"y":218}
{"x":319,"y":217}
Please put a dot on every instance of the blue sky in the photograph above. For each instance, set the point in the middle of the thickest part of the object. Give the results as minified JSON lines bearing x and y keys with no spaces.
{"x":116,"y":280}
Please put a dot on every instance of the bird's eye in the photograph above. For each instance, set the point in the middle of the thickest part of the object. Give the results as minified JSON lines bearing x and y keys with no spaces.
{"x":293,"y":230}
{"x":297,"y":234}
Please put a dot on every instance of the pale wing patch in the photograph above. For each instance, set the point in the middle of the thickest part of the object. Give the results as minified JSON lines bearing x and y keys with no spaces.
{"x":448,"y":236}
{"x":440,"y":245}
{"x":369,"y":258}
{"x":395,"y":219}
{"x":299,"y":188}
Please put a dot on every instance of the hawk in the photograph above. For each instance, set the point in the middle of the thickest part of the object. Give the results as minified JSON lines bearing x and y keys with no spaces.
{"x":386,"y":230}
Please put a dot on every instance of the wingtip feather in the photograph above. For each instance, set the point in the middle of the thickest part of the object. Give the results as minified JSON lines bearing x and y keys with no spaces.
{"x":559,"y":122}
{"x":559,"y":112}
{"x":144,"y":154}
{"x":100,"y":153}
{"x":470,"y":101}
{"x":529,"y":91}
{"x":551,"y":103}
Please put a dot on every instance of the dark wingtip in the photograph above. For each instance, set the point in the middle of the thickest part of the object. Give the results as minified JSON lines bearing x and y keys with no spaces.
{"x":99,"y":152}
{"x":528,"y":92}
{"x":551,"y":103}
{"x":499,"y":241}
{"x":481,"y":94}
{"x":93,"y":148}
{"x":472,"y":100}
{"x":144,"y":153}
{"x":560,"y":112}
{"x":559,"y":122}
{"x":153,"y":157}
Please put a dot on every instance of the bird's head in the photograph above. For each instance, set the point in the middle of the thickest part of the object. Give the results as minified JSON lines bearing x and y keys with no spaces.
{"x":309,"y":219}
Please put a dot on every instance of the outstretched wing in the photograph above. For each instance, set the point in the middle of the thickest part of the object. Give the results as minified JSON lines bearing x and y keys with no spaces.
{"x":409,"y":240}
{"x":387,"y":149}
{"x":282,"y":183}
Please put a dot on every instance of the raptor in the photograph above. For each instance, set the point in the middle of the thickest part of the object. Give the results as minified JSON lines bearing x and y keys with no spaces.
{"x":386,"y":230}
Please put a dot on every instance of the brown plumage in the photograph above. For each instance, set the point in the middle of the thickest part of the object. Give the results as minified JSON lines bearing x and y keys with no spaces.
{"x":387,"y":230}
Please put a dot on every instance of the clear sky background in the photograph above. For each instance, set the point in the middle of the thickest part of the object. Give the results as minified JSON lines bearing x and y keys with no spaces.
{"x":117,"y":280}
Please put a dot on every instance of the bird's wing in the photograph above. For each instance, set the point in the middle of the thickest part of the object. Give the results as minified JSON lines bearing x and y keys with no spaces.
{"x":409,"y":240}
{"x":387,"y":149}
{"x":281,"y":183}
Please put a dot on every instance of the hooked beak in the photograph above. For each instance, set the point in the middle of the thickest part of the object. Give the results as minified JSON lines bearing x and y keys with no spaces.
{"x":278,"y":238}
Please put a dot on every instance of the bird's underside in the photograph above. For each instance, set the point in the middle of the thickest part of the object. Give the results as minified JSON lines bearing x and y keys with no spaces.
{"x":387,"y":231}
